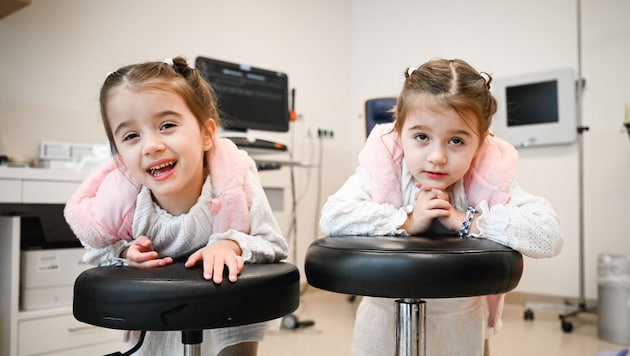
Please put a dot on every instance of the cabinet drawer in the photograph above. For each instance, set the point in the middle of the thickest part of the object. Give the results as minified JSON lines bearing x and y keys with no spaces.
{"x":100,"y":349}
{"x":51,"y":334}
{"x":10,"y":191}
{"x":42,"y":192}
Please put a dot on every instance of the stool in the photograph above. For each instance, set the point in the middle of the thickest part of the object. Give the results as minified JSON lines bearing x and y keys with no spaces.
{"x":410,"y":269}
{"x":176,"y":298}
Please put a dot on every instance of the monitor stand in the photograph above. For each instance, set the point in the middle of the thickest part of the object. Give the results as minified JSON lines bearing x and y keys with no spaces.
{"x":247,"y":141}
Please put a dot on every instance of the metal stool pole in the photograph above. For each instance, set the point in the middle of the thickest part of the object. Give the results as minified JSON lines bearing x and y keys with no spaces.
{"x":410,"y":327}
{"x":192,"y":340}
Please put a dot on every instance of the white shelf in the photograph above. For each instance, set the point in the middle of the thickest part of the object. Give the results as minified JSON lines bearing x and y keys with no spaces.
{"x":47,"y":331}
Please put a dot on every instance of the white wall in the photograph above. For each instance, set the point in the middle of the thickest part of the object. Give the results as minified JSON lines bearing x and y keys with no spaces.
{"x":54,"y":55}
{"x":507,"y":38}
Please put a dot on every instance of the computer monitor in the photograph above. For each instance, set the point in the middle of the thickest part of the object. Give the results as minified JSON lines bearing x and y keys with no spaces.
{"x":536,"y":109}
{"x":249,"y":98}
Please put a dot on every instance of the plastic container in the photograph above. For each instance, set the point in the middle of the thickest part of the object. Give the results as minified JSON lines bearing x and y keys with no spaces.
{"x":613,"y":298}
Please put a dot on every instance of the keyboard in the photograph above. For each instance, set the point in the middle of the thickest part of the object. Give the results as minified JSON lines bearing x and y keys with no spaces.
{"x":259,"y":144}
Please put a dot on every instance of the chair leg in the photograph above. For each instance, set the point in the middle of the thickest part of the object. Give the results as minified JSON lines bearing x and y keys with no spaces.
{"x":192,"y":342}
{"x":410,"y":327}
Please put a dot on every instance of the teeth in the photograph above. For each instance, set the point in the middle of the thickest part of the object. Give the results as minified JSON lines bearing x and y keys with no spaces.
{"x":153,"y":169}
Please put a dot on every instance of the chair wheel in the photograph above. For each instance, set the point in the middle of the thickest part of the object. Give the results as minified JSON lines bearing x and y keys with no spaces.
{"x":567,"y":326}
{"x":528,"y":314}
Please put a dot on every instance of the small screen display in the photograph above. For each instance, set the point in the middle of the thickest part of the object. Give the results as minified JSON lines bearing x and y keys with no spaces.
{"x":248,"y":97}
{"x":531,"y":104}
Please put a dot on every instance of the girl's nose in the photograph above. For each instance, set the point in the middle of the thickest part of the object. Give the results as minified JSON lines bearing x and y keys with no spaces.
{"x":152,"y":144}
{"x":437,"y":155}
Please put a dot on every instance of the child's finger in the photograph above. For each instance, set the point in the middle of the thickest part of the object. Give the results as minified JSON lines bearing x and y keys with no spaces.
{"x":218,"y":270}
{"x":193,"y":259}
{"x":208,"y":268}
{"x":235,"y":266}
{"x":143,"y":243}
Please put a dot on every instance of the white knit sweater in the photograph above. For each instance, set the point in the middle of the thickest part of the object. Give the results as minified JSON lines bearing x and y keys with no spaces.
{"x":183,"y":234}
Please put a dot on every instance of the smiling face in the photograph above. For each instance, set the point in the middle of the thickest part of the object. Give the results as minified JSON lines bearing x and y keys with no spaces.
{"x":161,"y":143}
{"x":438,"y":144}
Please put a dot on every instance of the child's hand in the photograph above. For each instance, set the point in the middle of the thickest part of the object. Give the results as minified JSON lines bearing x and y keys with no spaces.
{"x":216,"y":255}
{"x":140,"y":254}
{"x":454,"y":218}
{"x":430,"y":205}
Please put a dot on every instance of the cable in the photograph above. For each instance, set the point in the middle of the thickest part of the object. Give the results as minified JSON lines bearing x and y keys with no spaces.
{"x":133,"y":349}
{"x":318,"y":207}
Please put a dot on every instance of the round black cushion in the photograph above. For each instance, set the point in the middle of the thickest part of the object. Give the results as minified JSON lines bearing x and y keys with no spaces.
{"x":178,"y":298}
{"x":412,"y":267}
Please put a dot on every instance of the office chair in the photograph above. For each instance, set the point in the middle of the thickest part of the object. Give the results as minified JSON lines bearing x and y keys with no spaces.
{"x":176,"y":298}
{"x":377,"y":111}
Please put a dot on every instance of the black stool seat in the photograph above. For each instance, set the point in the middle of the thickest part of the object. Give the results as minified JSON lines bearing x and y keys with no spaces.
{"x":178,"y":298}
{"x":412,"y":267}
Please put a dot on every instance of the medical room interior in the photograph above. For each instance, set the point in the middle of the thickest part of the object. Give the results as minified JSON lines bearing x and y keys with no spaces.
{"x":336,"y":55}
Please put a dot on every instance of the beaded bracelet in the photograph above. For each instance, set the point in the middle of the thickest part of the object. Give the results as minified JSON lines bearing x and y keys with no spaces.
{"x":463,"y":231}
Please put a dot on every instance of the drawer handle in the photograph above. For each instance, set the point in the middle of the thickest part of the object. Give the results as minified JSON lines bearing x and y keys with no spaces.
{"x":81,"y":328}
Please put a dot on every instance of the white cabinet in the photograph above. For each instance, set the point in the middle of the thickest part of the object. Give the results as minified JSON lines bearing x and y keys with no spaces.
{"x":46,"y":331}
{"x":57,"y":333}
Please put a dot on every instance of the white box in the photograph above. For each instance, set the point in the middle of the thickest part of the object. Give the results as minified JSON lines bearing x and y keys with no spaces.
{"x":47,"y":277}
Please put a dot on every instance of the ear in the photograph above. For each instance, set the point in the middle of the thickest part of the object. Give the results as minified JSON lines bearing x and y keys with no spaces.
{"x":481,"y":142}
{"x":209,"y":129}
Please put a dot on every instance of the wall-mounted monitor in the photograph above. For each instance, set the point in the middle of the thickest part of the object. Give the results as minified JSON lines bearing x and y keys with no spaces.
{"x":378,"y":111}
{"x":249,"y":98}
{"x":536,"y":109}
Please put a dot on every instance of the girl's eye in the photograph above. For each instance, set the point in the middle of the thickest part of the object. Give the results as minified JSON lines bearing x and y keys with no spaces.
{"x":421,"y":137}
{"x":167,"y":125}
{"x":130,"y":136}
{"x":456,"y":141}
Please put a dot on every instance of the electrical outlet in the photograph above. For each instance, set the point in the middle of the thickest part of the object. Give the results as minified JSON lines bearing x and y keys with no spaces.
{"x":325,"y":133}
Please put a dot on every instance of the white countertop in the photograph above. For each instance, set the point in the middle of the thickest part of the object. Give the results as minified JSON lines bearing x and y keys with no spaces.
{"x":41,"y":174}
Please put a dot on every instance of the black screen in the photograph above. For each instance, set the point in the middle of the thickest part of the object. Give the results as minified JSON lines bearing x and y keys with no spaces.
{"x":378,"y":111}
{"x":248,"y":97}
{"x":532,"y":103}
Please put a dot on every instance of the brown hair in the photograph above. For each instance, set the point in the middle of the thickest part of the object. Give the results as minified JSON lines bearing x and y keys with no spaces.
{"x":172,"y":75}
{"x":451,"y":82}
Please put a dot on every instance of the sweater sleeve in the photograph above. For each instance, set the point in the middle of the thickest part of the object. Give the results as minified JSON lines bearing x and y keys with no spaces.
{"x":106,"y":256}
{"x":264,"y":243}
{"x":527,"y":224}
{"x":352,"y":211}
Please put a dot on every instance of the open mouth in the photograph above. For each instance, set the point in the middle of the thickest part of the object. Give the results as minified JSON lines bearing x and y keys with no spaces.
{"x":162,"y":169}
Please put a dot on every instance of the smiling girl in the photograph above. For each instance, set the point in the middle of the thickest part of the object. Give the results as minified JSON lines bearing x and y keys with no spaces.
{"x":174,"y":190}
{"x":437,"y":169}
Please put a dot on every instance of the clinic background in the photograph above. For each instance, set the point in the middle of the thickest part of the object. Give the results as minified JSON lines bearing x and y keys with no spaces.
{"x":54,"y":56}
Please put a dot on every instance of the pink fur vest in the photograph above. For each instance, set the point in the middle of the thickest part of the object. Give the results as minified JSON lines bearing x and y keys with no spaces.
{"x":489,"y":178}
{"x":101,"y":211}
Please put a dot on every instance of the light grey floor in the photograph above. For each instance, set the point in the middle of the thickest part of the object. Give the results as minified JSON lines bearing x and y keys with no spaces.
{"x":334,"y":317}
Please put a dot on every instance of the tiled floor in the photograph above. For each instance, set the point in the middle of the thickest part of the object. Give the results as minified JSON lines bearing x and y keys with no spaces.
{"x":334,"y":316}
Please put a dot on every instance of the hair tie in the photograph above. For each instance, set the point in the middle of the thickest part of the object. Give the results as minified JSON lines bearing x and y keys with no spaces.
{"x":169,"y":61}
{"x":486,"y":78}
{"x":108,"y":74}
{"x":410,"y":71}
